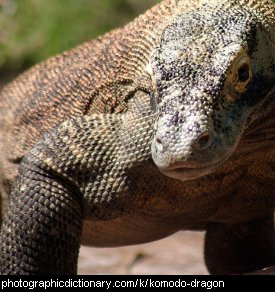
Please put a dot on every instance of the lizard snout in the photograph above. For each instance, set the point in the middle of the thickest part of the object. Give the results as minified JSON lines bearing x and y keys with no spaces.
{"x":200,"y":141}
{"x":186,"y":153}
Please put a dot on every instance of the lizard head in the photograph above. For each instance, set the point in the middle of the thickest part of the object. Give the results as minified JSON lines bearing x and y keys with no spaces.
{"x":214,"y":65}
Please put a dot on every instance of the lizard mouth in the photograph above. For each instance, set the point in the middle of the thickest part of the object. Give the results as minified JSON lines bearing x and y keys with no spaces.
{"x":190,"y":171}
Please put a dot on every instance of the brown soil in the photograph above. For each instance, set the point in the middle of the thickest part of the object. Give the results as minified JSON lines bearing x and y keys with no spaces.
{"x":181,"y":254}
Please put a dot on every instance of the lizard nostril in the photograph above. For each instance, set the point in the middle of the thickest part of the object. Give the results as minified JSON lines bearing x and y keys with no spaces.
{"x":158,"y":141}
{"x":203,"y":141}
{"x":159,"y":145}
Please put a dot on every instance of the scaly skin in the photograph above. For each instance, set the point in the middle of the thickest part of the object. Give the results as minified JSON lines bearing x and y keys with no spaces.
{"x":163,"y":125}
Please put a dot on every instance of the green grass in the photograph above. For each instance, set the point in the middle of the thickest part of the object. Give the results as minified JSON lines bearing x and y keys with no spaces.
{"x":33,"y":30}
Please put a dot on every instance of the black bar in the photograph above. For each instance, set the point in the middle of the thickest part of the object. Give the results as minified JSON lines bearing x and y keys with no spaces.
{"x":119,"y":282}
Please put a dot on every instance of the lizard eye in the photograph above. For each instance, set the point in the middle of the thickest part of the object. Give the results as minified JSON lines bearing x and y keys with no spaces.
{"x":241,"y":73}
{"x":244,"y":73}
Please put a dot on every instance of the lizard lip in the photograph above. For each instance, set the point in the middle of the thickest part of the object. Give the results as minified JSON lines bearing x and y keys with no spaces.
{"x":189,"y":165}
{"x":190,"y":171}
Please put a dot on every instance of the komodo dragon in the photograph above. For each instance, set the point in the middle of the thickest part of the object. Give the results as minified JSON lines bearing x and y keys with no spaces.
{"x":163,"y":125}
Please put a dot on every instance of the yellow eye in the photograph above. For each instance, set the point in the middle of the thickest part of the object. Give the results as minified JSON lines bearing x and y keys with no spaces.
{"x":241,"y":73}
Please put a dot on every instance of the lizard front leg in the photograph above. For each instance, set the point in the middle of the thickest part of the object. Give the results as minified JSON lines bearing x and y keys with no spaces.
{"x":77,"y":169}
{"x":42,"y":230}
{"x":240,"y":248}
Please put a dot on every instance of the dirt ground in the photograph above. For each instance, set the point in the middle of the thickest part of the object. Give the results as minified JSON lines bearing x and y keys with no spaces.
{"x":181,"y":254}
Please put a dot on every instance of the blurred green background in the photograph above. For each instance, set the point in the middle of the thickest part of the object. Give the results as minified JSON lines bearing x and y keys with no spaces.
{"x":33,"y":30}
